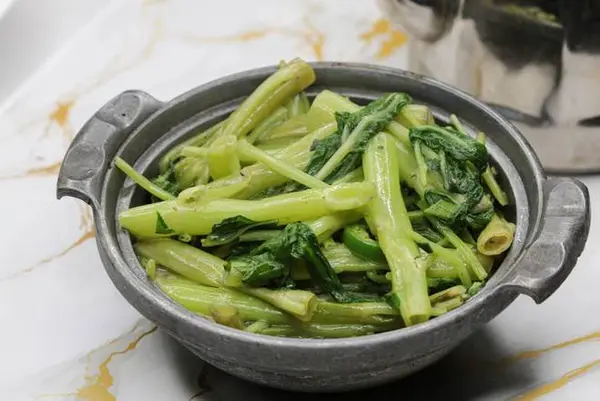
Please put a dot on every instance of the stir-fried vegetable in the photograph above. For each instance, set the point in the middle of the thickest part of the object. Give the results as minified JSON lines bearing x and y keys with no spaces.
{"x":324,"y":219}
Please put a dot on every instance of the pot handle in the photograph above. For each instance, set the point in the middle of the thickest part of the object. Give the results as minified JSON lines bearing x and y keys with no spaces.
{"x":97,"y":142}
{"x":547,"y":262}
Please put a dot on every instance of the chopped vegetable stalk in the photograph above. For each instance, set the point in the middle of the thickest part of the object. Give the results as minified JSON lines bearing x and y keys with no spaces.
{"x":227,"y":315}
{"x":184,"y":259}
{"x":263,"y":129}
{"x":190,"y":171}
{"x":475,"y":288}
{"x":298,"y":105}
{"x":193,"y":151}
{"x":447,"y":300}
{"x":220,"y":189}
{"x":448,"y":255}
{"x":149,"y":265}
{"x":274,"y":92}
{"x":222,"y":157}
{"x":392,"y":225}
{"x":415,"y":115}
{"x":490,"y":179}
{"x":299,"y":303}
{"x":463,"y":249}
{"x":142,"y":181}
{"x":198,"y":140}
{"x":379,"y":277}
{"x":202,"y":299}
{"x":297,"y":154}
{"x":326,"y":226}
{"x":440,"y":284}
{"x":257,"y":327}
{"x":362,"y":313}
{"x":457,"y":124}
{"x":299,"y":126}
{"x":496,"y":237}
{"x":199,"y":219}
{"x":276,"y":145}
{"x":421,"y":165}
{"x":259,"y":235}
{"x":353,"y":176}
{"x":447,"y":294}
{"x":495,"y":189}
{"x":249,"y":152}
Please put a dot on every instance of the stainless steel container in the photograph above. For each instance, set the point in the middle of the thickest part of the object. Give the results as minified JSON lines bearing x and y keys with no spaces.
{"x":536,"y":61}
{"x":552,"y":219}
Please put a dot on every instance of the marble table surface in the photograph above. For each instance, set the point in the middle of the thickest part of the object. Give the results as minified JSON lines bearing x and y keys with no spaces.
{"x":67,"y":334}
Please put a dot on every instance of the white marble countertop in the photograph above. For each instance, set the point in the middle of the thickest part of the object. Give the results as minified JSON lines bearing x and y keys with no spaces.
{"x":67,"y":334}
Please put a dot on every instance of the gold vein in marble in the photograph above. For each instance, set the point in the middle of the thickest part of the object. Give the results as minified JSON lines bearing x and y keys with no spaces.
{"x":539,"y":352}
{"x":86,"y":225}
{"x":389,"y":39}
{"x":309,"y":35}
{"x":550,"y":387}
{"x":97,"y":387}
{"x":49,"y":170}
{"x":60,"y":117}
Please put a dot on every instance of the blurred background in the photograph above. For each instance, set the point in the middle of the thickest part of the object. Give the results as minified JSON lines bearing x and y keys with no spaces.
{"x":32,"y":31}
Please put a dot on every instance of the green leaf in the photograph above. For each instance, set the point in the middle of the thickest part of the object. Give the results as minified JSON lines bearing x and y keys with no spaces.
{"x":365,"y":123}
{"x":322,"y":150}
{"x":229,"y":230}
{"x":259,"y":269}
{"x":480,"y":220}
{"x":167,"y":180}
{"x":458,"y":146}
{"x":161,"y":225}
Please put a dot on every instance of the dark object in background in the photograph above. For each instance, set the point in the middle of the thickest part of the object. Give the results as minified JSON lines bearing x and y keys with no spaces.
{"x":537,"y":61}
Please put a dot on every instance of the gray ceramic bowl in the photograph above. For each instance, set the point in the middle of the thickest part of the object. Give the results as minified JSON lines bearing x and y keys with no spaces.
{"x":552,"y":218}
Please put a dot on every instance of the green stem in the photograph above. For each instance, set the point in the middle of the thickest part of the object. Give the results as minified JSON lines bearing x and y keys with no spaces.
{"x":202,"y":299}
{"x":198,"y":219}
{"x":490,"y":179}
{"x":299,"y":303}
{"x":249,"y":152}
{"x":297,"y":154}
{"x":463,"y":249}
{"x":354,"y":313}
{"x":277,"y":117}
{"x":141,"y":180}
{"x":196,"y":141}
{"x":274,"y":92}
{"x":259,"y":235}
{"x":184,"y":259}
{"x":389,"y":217}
